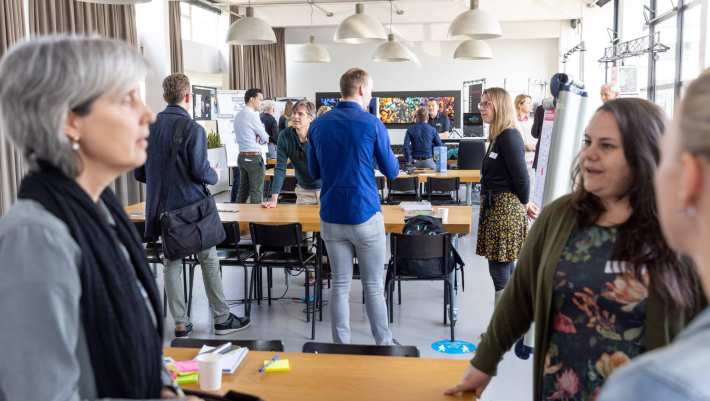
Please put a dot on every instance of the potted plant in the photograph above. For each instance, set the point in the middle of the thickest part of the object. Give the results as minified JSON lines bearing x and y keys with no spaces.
{"x":217,"y":157}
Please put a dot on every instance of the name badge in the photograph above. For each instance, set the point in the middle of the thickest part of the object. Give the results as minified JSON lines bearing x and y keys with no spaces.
{"x":493,"y":155}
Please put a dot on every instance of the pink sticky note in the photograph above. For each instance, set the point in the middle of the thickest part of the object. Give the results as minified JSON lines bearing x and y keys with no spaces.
{"x":186,"y":366}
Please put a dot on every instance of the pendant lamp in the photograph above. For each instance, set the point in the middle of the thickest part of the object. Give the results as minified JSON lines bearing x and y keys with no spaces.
{"x":116,"y":2}
{"x":311,"y":52}
{"x":392,"y":51}
{"x":475,"y":24}
{"x":250,"y":30}
{"x":473,"y":50}
{"x":359,"y":28}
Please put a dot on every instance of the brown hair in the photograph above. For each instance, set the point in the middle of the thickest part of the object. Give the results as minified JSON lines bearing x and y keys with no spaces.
{"x":640,"y":241}
{"x":504,"y":112}
{"x":288,"y":109}
{"x":693,"y":117}
{"x":351,"y":80}
{"x":519,"y":100}
{"x":421,"y":115}
{"x":309,"y":106}
{"x":322,"y":110}
{"x":175,"y":87}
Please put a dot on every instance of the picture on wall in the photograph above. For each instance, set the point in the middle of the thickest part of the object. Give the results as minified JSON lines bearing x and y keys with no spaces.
{"x":396,"y":109}
{"x":204,"y":102}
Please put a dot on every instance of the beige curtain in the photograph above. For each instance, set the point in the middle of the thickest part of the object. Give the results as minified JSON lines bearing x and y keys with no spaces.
{"x":265,"y":67}
{"x":112,"y":21}
{"x":12,"y":29}
{"x":236,"y":60}
{"x":176,"y":64}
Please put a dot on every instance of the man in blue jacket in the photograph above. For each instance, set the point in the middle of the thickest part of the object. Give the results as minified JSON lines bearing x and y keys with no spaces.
{"x":344,"y":143}
{"x":184,"y":183}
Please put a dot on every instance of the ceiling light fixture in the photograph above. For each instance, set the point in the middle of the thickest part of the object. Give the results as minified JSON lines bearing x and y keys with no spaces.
{"x":392,"y":51}
{"x":475,"y":24}
{"x":250,"y":30}
{"x":359,"y":28}
{"x":311,"y":52}
{"x":473,"y":49}
{"x":116,"y":2}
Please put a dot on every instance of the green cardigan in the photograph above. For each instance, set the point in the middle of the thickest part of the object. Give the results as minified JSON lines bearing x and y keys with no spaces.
{"x":528,"y":298}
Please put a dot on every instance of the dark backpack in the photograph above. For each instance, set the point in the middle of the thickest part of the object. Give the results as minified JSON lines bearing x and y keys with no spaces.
{"x":426,"y":268}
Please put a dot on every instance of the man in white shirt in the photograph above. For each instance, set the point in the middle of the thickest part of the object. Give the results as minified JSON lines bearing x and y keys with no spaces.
{"x":251,"y":135}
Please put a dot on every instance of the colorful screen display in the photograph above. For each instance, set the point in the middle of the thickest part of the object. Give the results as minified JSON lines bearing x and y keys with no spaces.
{"x":400,"y":110}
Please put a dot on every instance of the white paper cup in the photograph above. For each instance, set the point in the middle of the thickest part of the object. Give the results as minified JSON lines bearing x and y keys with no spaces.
{"x":444,"y":214}
{"x":209,"y":367}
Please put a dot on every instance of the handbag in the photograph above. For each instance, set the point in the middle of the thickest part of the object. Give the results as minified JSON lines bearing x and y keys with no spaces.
{"x":192,"y":228}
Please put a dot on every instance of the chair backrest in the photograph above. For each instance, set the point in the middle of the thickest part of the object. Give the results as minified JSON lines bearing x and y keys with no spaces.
{"x":276,"y":235}
{"x":419,"y":246}
{"x":361,"y":349}
{"x":289,"y":184}
{"x":404,"y":184}
{"x":253,"y":345}
{"x":449,"y":184}
{"x":230,"y":396}
{"x":140,"y":227}
{"x":471,"y":153}
{"x":231,"y":229}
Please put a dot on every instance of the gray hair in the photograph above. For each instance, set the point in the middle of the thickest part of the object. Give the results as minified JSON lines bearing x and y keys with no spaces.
{"x":267,"y":105}
{"x":46,"y":78}
{"x":310,"y":107}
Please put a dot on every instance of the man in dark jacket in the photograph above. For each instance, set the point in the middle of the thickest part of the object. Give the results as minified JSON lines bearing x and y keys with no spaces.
{"x":184,"y":183}
{"x":270,"y":125}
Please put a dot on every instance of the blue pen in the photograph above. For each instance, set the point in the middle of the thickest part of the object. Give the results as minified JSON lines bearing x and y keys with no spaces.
{"x":274,"y":359}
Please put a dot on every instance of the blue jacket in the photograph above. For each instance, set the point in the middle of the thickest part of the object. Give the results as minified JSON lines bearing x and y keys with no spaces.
{"x":185,"y":179}
{"x":344,"y":144}
{"x":419,"y":141}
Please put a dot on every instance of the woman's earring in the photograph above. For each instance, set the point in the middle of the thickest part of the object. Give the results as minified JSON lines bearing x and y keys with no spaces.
{"x":75,"y":144}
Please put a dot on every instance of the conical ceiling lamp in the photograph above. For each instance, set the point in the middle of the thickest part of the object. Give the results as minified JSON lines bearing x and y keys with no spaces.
{"x":475,"y":24}
{"x":473,"y":50}
{"x":392,"y":51}
{"x":311,"y":53}
{"x":250,"y":30}
{"x":116,"y":2}
{"x":359,"y":28}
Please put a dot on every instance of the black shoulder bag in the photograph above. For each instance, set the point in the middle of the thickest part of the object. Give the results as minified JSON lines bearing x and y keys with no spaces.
{"x":192,"y":228}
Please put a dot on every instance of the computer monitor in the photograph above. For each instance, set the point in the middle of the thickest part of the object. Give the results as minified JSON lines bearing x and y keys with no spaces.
{"x":472,"y":124}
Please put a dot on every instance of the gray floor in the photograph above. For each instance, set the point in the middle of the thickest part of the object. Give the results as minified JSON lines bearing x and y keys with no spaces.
{"x":418,"y":321}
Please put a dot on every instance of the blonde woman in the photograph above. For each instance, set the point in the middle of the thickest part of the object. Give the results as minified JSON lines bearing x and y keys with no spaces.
{"x":322,"y":110}
{"x":283,"y":120}
{"x":505,"y":188}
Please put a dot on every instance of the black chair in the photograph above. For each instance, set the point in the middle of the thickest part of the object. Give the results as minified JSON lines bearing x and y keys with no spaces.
{"x":253,"y":345}
{"x":380,"y":182}
{"x":288,"y":190}
{"x":403,"y":189}
{"x":442,"y":191}
{"x":471,"y":154}
{"x":154,"y":256}
{"x":361,"y":349}
{"x":282,"y":246}
{"x":421,"y":247}
{"x":230,"y":396}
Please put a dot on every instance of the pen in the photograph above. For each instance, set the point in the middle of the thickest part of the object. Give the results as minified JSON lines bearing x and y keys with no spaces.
{"x":267,"y":364}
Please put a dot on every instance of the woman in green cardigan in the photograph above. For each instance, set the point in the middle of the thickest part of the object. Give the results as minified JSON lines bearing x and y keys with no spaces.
{"x":595,"y":273}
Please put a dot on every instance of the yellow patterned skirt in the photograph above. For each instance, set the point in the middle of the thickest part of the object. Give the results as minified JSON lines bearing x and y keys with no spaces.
{"x":502,"y":227}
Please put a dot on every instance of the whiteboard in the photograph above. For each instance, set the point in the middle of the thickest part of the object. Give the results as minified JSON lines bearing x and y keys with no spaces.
{"x":229,"y":103}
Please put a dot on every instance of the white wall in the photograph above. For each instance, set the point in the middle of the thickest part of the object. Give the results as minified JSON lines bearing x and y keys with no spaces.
{"x":153,"y":37}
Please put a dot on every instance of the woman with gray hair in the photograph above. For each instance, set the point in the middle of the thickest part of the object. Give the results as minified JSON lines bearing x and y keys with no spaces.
{"x":81,"y":310}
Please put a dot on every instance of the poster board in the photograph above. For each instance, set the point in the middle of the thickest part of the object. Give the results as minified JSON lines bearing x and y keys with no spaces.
{"x":229,"y":104}
{"x":204,"y":102}
{"x":543,"y":154}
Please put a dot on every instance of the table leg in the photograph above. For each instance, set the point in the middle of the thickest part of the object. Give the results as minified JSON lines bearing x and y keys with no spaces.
{"x":453,"y":316}
{"x":468,"y":193}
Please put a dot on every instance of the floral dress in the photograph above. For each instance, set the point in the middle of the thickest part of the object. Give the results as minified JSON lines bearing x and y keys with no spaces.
{"x":598,"y":311}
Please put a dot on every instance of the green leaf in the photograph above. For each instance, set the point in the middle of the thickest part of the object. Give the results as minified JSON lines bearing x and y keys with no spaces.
{"x":606,"y":333}
{"x":632,"y":334}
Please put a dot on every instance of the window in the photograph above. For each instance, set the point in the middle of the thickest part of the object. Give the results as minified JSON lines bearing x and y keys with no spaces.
{"x":690,"y":66}
{"x":199,"y":24}
{"x":633,"y":23}
{"x":665,"y":62}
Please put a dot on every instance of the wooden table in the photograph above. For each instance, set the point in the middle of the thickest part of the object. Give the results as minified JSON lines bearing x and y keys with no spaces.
{"x":465,"y":176}
{"x":327,"y":377}
{"x":459,"y":221}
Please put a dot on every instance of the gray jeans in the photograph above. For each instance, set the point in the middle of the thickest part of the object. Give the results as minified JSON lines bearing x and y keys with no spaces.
{"x":251,"y":178}
{"x":209,"y":265}
{"x":365,"y":241}
{"x":426,"y":163}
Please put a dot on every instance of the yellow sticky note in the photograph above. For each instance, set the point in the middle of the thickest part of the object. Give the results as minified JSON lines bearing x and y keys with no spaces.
{"x":279,"y":365}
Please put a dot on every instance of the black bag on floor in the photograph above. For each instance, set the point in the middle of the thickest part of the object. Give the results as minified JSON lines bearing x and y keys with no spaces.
{"x":192,"y":228}
{"x":423,"y":268}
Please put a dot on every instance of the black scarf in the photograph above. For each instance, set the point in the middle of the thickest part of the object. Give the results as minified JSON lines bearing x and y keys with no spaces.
{"x":124,"y":344}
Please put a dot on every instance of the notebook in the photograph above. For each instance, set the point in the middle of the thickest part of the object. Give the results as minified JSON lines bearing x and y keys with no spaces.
{"x":279,"y":365}
{"x":232,"y":355}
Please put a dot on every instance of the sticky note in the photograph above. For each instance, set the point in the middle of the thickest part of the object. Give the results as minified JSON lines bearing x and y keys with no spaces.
{"x":280,"y":365}
{"x":187,"y":379}
{"x":185,"y":367}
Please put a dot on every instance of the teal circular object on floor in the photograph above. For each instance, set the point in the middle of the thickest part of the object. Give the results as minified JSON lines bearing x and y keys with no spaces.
{"x":453,"y":347}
